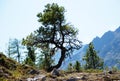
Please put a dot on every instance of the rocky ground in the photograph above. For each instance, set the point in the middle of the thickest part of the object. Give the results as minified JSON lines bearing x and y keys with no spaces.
{"x":10,"y":70}
{"x":81,"y":76}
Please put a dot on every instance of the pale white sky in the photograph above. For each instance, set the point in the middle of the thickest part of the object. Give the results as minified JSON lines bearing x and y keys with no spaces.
{"x":92,"y":17}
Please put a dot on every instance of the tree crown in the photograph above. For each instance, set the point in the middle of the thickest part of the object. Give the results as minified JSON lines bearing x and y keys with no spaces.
{"x":54,"y":32}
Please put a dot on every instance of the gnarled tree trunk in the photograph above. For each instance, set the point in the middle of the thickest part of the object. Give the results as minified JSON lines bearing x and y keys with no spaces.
{"x":59,"y":62}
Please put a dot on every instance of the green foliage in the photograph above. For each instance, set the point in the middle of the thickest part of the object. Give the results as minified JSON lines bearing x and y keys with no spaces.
{"x":114,"y":69}
{"x":52,"y":13}
{"x":70,"y":67}
{"x":74,"y":68}
{"x":46,"y":60}
{"x":31,"y":53}
{"x":31,"y":56}
{"x":93,"y":70}
{"x":29,"y":61}
{"x":77,"y":66}
{"x":54,"y":33}
{"x":93,"y":61}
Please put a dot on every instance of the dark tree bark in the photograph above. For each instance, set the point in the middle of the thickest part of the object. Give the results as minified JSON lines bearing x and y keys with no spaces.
{"x":59,"y":62}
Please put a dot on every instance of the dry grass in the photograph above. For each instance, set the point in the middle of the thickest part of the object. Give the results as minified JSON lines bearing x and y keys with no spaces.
{"x":87,"y":76}
{"x":10,"y":70}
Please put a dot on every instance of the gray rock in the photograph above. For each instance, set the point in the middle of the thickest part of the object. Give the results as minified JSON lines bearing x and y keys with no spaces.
{"x":43,"y":79}
{"x":110,"y":72}
{"x":55,"y":72}
{"x":72,"y":79}
{"x":6,"y":75}
{"x":84,"y":77}
{"x":33,"y":72}
{"x":37,"y":78}
{"x":1,"y":71}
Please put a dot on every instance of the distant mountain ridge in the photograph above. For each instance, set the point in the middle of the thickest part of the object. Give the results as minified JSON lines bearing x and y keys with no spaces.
{"x":108,"y":47}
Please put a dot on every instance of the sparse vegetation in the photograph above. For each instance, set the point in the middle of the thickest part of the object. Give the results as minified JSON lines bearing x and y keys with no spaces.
{"x":77,"y":66}
{"x":31,"y":56}
{"x":54,"y":35}
{"x":70,"y":67}
{"x":10,"y":69}
{"x":45,"y":60}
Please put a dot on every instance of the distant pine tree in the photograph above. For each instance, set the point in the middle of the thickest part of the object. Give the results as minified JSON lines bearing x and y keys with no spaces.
{"x":77,"y":66}
{"x":14,"y":49}
{"x":31,"y":56}
{"x":70,"y":67}
{"x":46,"y":60}
{"x":93,"y":61}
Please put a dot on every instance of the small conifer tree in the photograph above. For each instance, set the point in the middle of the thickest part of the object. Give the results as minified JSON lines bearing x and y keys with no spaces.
{"x":93,"y":61}
{"x":70,"y":67}
{"x":77,"y":66}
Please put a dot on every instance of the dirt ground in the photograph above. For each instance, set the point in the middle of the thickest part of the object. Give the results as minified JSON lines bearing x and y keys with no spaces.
{"x":81,"y":76}
{"x":86,"y":77}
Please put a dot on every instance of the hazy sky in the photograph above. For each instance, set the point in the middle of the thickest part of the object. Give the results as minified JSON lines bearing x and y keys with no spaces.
{"x":91,"y":17}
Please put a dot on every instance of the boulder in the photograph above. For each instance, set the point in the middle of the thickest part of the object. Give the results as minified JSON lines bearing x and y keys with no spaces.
{"x":110,"y":72}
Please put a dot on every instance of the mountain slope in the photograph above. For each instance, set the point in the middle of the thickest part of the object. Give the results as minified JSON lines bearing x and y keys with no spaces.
{"x":108,"y":47}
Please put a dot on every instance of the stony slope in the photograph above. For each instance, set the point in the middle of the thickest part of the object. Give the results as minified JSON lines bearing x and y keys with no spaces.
{"x":11,"y":70}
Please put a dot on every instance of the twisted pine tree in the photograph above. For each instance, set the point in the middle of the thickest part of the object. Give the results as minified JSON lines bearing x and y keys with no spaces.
{"x":54,"y":33}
